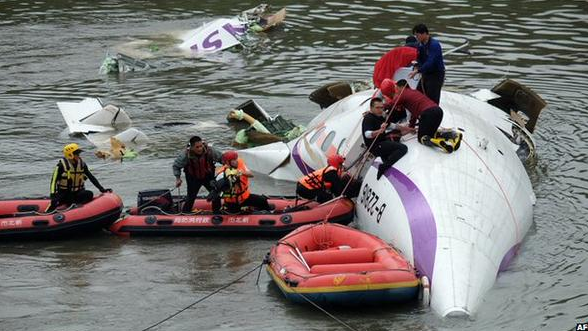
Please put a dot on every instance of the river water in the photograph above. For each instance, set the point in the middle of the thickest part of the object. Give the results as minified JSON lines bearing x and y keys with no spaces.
{"x":51,"y":52}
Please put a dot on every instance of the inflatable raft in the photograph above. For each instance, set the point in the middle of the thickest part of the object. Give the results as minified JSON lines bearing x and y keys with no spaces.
{"x":24,"y":218}
{"x":288,"y":214}
{"x":338,"y":265}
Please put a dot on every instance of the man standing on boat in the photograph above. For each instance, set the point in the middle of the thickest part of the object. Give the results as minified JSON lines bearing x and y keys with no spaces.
{"x":429,"y":63}
{"x":325,"y":183}
{"x":198,"y":161}
{"x":377,"y":136}
{"x":233,"y":182}
{"x":69,"y":176}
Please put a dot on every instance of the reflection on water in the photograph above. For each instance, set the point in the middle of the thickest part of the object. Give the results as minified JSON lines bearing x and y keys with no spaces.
{"x":51,"y":51}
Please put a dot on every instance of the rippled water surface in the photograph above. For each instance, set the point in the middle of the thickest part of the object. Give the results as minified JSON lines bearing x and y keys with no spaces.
{"x":51,"y":52}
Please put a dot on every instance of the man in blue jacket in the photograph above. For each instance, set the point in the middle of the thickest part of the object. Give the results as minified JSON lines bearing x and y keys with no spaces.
{"x":429,"y":63}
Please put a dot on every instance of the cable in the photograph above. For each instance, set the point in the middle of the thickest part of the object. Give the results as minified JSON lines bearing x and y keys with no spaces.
{"x":324,"y":311}
{"x":202,"y":299}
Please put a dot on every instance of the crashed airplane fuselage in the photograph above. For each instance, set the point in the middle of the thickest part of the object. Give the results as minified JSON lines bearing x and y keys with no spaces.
{"x":459,"y":217}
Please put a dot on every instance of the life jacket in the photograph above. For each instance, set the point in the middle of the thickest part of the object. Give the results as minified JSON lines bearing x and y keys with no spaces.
{"x":200,"y":167}
{"x":239,"y":187}
{"x":314,"y":180}
{"x":72,"y":179}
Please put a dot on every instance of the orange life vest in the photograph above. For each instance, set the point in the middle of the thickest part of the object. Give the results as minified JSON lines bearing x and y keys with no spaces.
{"x":314,"y":180}
{"x":239,"y":188}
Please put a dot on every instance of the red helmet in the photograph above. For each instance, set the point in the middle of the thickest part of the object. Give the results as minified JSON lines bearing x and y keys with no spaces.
{"x":388,"y":87}
{"x":229,"y":155}
{"x":335,"y":160}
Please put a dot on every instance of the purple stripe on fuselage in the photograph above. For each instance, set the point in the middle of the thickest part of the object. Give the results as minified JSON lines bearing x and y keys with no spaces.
{"x":303,"y":166}
{"x":422,"y":224}
{"x":508,"y":257}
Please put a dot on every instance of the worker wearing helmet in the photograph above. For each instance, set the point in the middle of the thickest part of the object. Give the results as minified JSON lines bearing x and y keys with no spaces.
{"x":67,"y":182}
{"x":325,"y":183}
{"x":233,"y":182}
{"x":197,"y":161}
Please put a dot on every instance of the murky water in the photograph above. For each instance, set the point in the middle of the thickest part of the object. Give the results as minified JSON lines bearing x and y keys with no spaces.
{"x":51,"y":52}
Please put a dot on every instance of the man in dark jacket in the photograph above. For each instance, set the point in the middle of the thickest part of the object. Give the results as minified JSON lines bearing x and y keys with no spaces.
{"x":429,"y":63}
{"x":198,"y":161}
{"x":376,"y":136}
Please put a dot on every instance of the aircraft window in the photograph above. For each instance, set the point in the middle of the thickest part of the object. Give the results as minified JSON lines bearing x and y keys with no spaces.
{"x":341,"y":145}
{"x":316,"y":135}
{"x":328,"y":141}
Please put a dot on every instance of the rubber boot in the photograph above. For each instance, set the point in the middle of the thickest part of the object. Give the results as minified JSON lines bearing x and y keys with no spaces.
{"x":443,"y":144}
{"x":457,"y":141}
{"x":426,"y":140}
{"x":445,"y":134}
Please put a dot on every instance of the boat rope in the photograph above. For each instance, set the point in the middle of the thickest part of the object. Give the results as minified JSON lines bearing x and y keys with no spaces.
{"x":364,"y":159}
{"x":349,"y":327}
{"x":203,"y":298}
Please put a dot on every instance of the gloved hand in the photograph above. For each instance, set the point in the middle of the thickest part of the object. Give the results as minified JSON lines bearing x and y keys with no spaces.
{"x":104,"y":190}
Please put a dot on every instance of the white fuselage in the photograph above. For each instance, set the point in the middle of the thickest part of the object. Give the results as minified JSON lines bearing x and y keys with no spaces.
{"x":459,"y":218}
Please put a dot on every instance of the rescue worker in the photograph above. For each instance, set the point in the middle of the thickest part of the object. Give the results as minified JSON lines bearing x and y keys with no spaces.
{"x":429,"y":63}
{"x":395,"y":59}
{"x":422,"y":109}
{"x":325,"y":183}
{"x":233,"y":182}
{"x":198,"y":161}
{"x":67,"y":182}
{"x":378,"y":136}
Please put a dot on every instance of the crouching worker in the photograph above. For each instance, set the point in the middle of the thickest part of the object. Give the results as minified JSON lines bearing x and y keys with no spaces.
{"x":428,"y":114}
{"x":67,"y":183}
{"x":233,"y":183}
{"x":325,"y":183}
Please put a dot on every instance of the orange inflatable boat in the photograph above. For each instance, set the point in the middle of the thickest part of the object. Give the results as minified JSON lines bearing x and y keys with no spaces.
{"x":338,"y":265}
{"x":24,"y":218}
{"x":288,"y":214}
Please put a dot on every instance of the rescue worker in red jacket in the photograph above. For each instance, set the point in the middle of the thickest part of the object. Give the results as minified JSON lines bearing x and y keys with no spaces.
{"x":395,"y":59}
{"x":198,"y":161}
{"x":67,"y":182}
{"x":233,"y":182}
{"x":325,"y":183}
{"x":422,"y":109}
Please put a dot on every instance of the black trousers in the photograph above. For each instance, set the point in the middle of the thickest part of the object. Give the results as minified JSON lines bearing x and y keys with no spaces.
{"x":429,"y":122}
{"x":431,"y":85}
{"x":389,"y":151}
{"x":320,"y":195}
{"x":68,"y":197}
{"x":256,"y":201}
{"x":194,"y":186}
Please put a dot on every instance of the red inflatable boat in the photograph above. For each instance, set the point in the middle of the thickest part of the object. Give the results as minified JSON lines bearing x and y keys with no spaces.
{"x":338,"y":265}
{"x":289,"y":214}
{"x":24,"y":218}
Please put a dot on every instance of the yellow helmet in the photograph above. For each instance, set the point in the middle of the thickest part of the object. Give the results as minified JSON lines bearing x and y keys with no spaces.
{"x":70,"y":149}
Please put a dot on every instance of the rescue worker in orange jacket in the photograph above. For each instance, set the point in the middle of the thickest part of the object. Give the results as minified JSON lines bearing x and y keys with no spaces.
{"x":233,"y":182}
{"x":325,"y":183}
{"x":67,"y":182}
